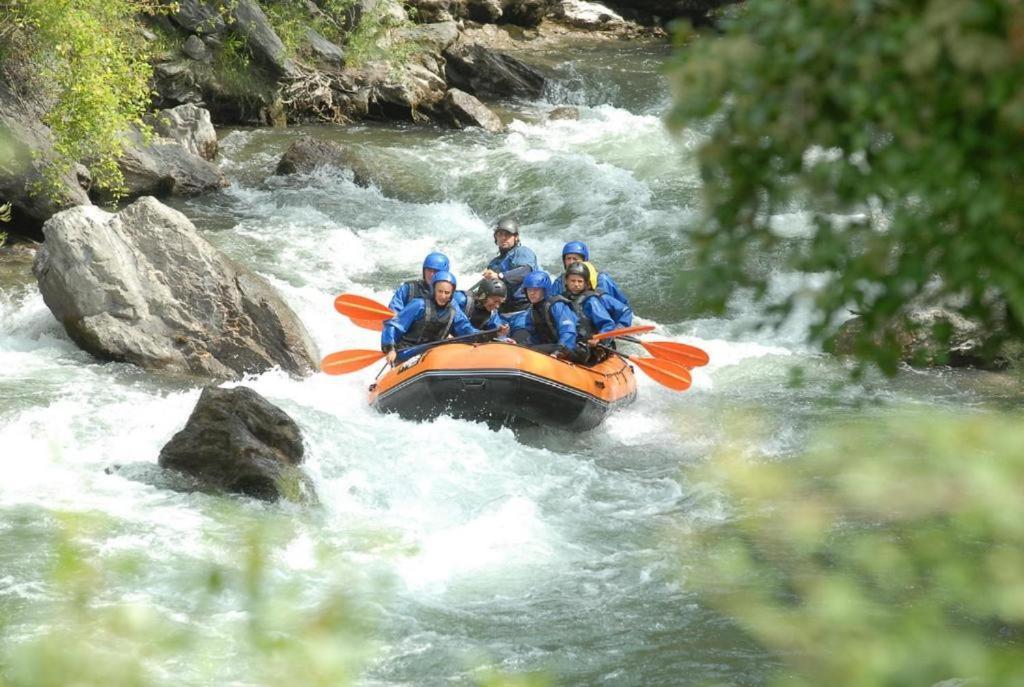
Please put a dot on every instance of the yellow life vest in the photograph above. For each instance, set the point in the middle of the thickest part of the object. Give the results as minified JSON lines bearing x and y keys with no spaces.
{"x":593,"y":274}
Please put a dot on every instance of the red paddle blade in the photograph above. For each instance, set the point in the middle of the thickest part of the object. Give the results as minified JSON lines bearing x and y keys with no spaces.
{"x":375,"y":325}
{"x":625,"y":331}
{"x":690,"y":356}
{"x":343,"y":362}
{"x":361,"y":307}
{"x":668,"y":374}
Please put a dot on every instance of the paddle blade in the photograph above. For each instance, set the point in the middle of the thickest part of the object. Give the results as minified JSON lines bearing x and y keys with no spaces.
{"x":625,"y":331}
{"x":668,"y":374}
{"x":375,"y":325}
{"x":343,"y":362}
{"x":361,"y":308}
{"x":690,"y":356}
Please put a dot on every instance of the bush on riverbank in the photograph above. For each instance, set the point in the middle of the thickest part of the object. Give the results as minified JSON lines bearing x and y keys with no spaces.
{"x":891,"y":553}
{"x":900,"y":125}
{"x":88,"y":62}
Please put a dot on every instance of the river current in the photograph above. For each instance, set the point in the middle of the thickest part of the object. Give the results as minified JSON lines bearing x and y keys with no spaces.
{"x":457,"y":546}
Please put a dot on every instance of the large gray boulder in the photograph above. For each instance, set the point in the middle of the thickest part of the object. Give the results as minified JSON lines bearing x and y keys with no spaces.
{"x":322,"y":50}
{"x":487,"y":73}
{"x":190,"y":127}
{"x":434,"y":37}
{"x":238,"y":442}
{"x":695,"y":10}
{"x":525,"y":12}
{"x":164,"y":168}
{"x":142,"y":286}
{"x":199,"y":16}
{"x":263,"y":41}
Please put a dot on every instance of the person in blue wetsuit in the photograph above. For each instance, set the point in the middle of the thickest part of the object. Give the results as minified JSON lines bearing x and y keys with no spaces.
{"x":419,"y":288}
{"x":598,"y":311}
{"x":425,"y":320}
{"x":482,"y":306}
{"x":513,"y":262}
{"x":577,"y":251}
{"x":551,"y":322}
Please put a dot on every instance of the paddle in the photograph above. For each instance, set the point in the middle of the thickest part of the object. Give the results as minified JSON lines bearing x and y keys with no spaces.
{"x":682,"y":354}
{"x":343,"y":362}
{"x":624,"y":331}
{"x":664,"y":372}
{"x":361,"y":308}
{"x":375,"y":325}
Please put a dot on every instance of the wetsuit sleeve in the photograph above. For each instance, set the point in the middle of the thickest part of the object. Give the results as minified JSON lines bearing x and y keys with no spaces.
{"x":557,"y":286}
{"x":566,"y":322}
{"x":459,"y":300}
{"x":399,"y":300}
{"x":400,"y":324}
{"x":620,"y":312}
{"x":495,"y":320}
{"x":461,"y":325}
{"x":608,"y":285}
{"x":599,"y":315}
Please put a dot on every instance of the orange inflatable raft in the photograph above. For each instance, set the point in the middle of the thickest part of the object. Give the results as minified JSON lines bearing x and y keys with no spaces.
{"x":504,"y":384}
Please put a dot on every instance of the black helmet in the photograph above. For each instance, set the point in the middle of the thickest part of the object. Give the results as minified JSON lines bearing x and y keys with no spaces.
{"x":580,"y":270}
{"x":507,"y":224}
{"x":493,"y":287}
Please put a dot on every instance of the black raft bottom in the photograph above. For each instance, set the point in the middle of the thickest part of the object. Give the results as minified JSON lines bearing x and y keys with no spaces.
{"x":498,"y":397}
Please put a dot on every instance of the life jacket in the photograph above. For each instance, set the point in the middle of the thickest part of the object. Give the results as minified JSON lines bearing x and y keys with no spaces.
{"x":433,"y":326}
{"x":478,"y":316}
{"x":543,"y":324}
{"x":585,"y":327}
{"x":419,"y":289}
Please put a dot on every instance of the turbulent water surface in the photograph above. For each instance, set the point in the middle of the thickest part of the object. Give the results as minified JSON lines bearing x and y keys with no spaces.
{"x":459,"y":546}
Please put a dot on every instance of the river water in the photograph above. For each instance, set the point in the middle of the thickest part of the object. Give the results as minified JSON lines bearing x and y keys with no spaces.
{"x":455,"y":546}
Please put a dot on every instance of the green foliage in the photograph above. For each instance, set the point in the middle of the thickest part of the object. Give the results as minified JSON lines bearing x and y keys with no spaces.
{"x":89,"y":60}
{"x":892,"y":553}
{"x":284,"y":635}
{"x":898,"y":123}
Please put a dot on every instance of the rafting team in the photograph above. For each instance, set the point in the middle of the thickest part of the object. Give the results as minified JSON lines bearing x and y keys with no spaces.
{"x":515,"y":300}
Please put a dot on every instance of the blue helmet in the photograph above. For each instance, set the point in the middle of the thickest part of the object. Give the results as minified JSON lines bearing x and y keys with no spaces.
{"x":537,"y":280}
{"x":443,"y":275}
{"x":436,"y":261}
{"x":577,"y":247}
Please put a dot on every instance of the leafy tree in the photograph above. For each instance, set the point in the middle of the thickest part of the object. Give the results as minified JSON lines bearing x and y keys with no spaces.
{"x":899,"y":124}
{"x":87,"y":58}
{"x":891,"y":553}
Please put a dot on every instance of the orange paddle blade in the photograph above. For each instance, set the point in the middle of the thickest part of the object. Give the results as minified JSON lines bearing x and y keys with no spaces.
{"x":625,"y":331}
{"x":361,"y":307}
{"x":689,"y":356}
{"x":343,"y":362}
{"x":668,"y":374}
{"x":375,"y":325}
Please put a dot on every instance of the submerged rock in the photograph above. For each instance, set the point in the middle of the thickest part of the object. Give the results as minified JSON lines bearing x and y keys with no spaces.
{"x":564,"y":112}
{"x":143,"y":287}
{"x":238,"y":442}
{"x":465,"y":110}
{"x":917,"y":345}
{"x":309,"y":154}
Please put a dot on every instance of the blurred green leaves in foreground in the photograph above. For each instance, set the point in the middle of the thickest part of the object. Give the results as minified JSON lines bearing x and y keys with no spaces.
{"x":899,"y":125}
{"x":891,"y":553}
{"x":241,"y":622}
